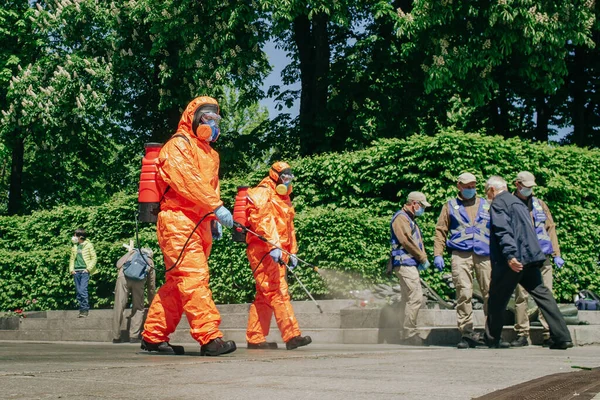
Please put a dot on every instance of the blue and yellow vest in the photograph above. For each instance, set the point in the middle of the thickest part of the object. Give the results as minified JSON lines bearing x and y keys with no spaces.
{"x":539,"y":222}
{"x":399,"y":255}
{"x":464,"y":236}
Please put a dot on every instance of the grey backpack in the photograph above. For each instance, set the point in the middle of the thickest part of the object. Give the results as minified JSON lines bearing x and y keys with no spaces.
{"x":137,"y":266}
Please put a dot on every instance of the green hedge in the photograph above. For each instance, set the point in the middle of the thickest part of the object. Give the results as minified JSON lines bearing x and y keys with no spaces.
{"x":343,"y":202}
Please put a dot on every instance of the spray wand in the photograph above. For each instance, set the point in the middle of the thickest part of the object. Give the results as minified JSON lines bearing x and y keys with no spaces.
{"x":237,"y":225}
{"x":242,"y":228}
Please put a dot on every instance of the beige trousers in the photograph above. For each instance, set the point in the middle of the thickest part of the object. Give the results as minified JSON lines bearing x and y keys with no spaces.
{"x":123,"y":287}
{"x":411,"y":299}
{"x":521,"y":299}
{"x":464,"y":263}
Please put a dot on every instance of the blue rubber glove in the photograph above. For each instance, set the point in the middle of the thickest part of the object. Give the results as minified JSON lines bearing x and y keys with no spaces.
{"x":424,"y":266}
{"x":293,"y":261}
{"x":438,"y":261}
{"x":217,"y":230}
{"x":275,"y":255}
{"x":224,"y":216}
{"x":559,"y":262}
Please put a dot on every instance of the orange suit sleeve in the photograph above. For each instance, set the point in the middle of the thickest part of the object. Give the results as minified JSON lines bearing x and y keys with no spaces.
{"x":183,"y":173}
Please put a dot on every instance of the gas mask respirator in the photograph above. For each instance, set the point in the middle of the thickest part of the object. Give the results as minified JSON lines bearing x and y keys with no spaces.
{"x":284,"y":183}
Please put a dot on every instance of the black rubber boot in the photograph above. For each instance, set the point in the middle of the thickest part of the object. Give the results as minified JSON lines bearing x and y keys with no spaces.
{"x":262,"y":346}
{"x":297,"y":341}
{"x":217,"y":346}
{"x":162,"y":348}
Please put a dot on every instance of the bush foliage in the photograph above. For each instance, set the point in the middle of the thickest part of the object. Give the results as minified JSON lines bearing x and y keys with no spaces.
{"x":344,"y":203}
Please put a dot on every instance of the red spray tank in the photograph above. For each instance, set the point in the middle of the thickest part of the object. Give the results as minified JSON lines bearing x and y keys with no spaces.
{"x":239,"y":214}
{"x":148,"y":194}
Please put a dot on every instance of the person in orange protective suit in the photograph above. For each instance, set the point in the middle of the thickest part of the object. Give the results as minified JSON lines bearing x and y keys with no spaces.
{"x":188,"y":178}
{"x":270,"y":214}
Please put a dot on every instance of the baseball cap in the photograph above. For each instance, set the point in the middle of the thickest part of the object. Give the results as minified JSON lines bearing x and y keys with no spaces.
{"x":526,"y":179}
{"x":466,"y":177}
{"x":420,"y":197}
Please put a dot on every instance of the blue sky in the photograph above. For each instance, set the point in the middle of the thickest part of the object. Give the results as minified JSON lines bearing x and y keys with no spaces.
{"x":278,"y":60}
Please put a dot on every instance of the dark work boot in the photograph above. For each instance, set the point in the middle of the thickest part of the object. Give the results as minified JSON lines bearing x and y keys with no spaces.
{"x":217,"y":346}
{"x":561,"y":345}
{"x":495,"y":344}
{"x":473,"y":340}
{"x":297,"y":341}
{"x":162,"y":348}
{"x":262,"y":346}
{"x":520,"y":341}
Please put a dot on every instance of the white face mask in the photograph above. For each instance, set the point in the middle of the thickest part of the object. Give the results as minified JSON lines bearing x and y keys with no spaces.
{"x":75,"y":239}
{"x":526,"y":192}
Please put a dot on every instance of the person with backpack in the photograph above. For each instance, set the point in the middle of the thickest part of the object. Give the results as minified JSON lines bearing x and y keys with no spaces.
{"x":142,"y":274}
{"x":82,"y":264}
{"x":188,"y":178}
{"x":270,"y":214}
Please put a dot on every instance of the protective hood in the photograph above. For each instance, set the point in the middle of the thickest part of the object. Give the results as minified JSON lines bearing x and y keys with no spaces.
{"x":278,"y":168}
{"x":203,"y":132}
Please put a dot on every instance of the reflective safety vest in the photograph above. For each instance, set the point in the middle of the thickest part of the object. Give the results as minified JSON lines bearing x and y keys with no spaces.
{"x":399,"y":255}
{"x":539,"y":221}
{"x":464,"y":235}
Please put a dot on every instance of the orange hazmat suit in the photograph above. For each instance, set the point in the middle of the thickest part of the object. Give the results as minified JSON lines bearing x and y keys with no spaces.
{"x":188,"y":177}
{"x":272,"y":216}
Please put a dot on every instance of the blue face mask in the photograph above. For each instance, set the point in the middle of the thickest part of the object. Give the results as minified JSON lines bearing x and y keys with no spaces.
{"x":215,"y":130}
{"x":468,"y":193}
{"x":419,"y":212}
{"x":526,"y":192}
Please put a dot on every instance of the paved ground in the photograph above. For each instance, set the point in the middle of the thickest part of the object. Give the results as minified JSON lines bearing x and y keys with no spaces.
{"x":68,"y":370}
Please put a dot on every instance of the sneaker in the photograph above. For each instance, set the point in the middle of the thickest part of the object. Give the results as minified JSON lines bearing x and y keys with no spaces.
{"x":217,"y":346}
{"x":162,"y":347}
{"x":561,"y":345}
{"x":462,"y":344}
{"x":520,"y":341}
{"x":262,"y":346}
{"x":115,"y":341}
{"x":83,"y":314}
{"x":547,"y":342}
{"x":298,"y":341}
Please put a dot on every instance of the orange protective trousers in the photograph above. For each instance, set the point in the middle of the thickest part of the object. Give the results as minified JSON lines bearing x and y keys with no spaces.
{"x":272,"y":216}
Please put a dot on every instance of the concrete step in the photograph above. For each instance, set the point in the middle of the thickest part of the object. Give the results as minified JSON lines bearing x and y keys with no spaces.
{"x":592,"y":317}
{"x":306,"y":306}
{"x":583,"y":335}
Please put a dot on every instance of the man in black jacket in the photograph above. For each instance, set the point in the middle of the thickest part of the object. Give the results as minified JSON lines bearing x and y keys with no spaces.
{"x":516,"y":259}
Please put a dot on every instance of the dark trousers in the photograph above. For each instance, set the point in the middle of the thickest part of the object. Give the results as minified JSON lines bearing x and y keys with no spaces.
{"x":81,"y":288}
{"x":504,"y":282}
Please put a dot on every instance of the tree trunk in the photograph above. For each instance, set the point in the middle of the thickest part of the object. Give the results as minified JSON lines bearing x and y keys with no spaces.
{"x":15,"y":197}
{"x":543,"y":117}
{"x":312,"y":41}
{"x":578,"y":95}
